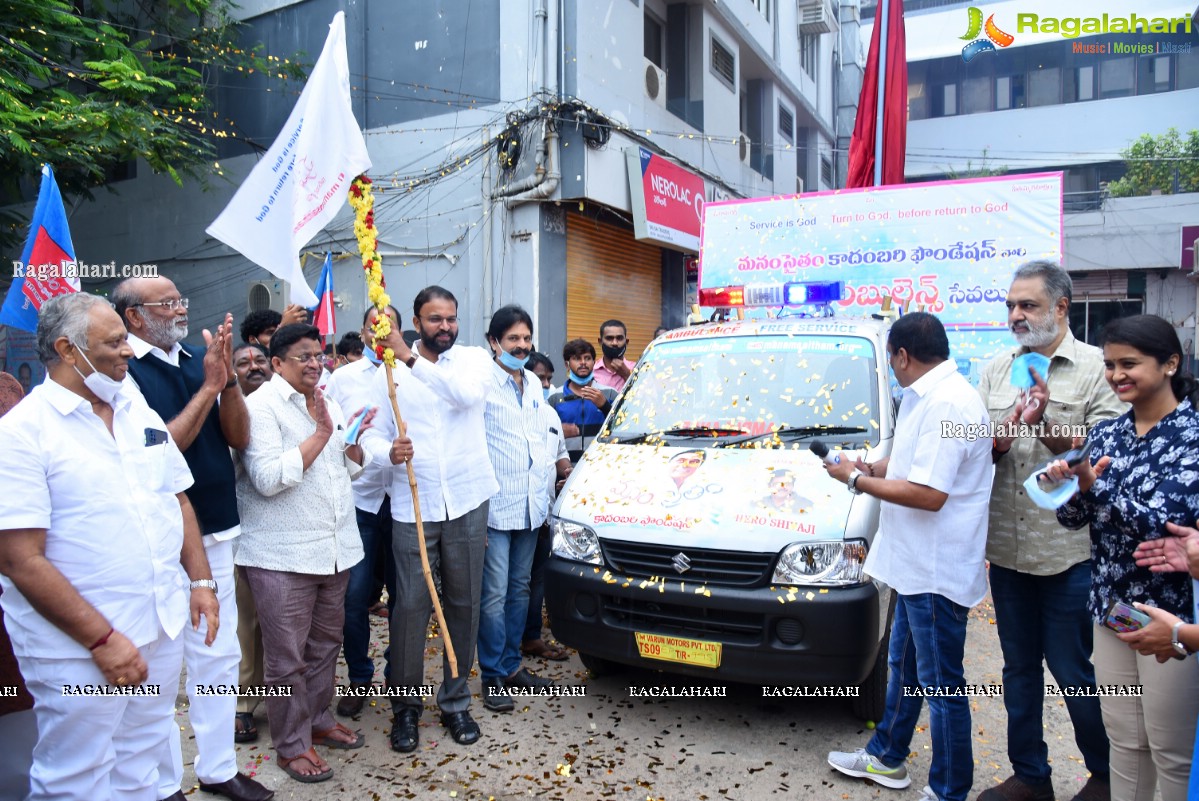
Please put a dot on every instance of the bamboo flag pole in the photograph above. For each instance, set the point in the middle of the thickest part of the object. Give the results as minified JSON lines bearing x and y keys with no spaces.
{"x":420,"y":533}
{"x":361,"y":198}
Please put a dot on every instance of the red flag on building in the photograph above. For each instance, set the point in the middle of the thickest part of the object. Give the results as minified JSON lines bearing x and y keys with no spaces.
{"x":864,"y":147}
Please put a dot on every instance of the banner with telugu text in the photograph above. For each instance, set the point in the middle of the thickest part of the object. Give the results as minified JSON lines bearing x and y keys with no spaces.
{"x":951,"y":246}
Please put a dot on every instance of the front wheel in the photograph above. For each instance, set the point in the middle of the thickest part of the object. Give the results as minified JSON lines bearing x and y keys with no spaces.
{"x":872,"y":694}
{"x":871,"y":701}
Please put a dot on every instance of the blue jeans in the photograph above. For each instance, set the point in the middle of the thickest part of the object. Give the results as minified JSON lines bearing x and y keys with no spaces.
{"x":1046,"y":617}
{"x":928,"y":640}
{"x":541,"y":555}
{"x":375,"y":530}
{"x":505,"y":600}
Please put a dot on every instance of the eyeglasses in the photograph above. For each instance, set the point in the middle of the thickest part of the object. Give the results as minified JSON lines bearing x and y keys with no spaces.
{"x":171,"y":305}
{"x":307,"y":357}
{"x":438,"y":320}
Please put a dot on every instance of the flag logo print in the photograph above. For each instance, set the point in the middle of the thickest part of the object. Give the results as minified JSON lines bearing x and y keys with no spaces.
{"x":994,"y":36}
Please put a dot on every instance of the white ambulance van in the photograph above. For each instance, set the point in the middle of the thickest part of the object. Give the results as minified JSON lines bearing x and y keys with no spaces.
{"x":700,"y":535}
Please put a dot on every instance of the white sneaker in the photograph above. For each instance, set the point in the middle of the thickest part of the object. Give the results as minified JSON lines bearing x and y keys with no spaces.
{"x":927,"y":794}
{"x":865,"y":766}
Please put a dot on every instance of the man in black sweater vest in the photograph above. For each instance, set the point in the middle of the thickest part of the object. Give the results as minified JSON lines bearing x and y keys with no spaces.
{"x":183,"y":384}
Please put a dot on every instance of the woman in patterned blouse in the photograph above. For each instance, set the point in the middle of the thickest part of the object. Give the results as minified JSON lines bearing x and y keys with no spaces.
{"x":1147,"y":474}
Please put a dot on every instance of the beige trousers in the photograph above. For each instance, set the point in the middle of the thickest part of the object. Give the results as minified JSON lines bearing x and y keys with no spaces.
{"x":1153,"y":736}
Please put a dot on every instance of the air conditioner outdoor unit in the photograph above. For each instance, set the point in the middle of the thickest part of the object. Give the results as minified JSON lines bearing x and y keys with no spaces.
{"x":743,"y":149}
{"x":817,"y":18}
{"x":273,"y":294}
{"x":655,"y":83}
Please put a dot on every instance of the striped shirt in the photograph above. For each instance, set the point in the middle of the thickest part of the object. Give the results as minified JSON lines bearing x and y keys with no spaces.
{"x":523,"y":450}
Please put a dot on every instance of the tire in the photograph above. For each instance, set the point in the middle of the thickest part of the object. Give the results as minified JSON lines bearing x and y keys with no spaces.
{"x":872,"y":693}
{"x":598,"y":665}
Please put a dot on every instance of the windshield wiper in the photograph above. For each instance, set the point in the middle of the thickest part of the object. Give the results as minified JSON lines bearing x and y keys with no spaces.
{"x":688,"y":432}
{"x":795,"y":432}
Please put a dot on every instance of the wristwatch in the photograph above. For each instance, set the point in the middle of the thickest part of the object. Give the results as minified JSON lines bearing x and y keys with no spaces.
{"x":204,"y":584}
{"x":410,"y":361}
{"x":852,"y":483}
{"x":1181,"y":649}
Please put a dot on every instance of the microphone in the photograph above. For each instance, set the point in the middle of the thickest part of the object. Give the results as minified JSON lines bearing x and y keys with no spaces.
{"x":820,"y":449}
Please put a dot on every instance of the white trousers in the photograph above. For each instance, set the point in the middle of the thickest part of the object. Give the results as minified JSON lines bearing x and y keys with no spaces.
{"x":101,"y":747}
{"x":211,"y":716}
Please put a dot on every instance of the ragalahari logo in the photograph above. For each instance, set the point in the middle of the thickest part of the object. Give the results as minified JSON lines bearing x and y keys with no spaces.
{"x":994,"y":36}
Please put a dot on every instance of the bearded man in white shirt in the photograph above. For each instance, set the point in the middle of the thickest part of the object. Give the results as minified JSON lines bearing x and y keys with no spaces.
{"x":93,"y":552}
{"x":441,"y":389}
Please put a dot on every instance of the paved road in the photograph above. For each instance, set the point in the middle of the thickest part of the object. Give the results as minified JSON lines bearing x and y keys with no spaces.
{"x":742,"y":746}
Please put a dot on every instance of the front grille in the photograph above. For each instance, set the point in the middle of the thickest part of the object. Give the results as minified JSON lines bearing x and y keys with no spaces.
{"x":741,"y":628}
{"x":726,"y":568}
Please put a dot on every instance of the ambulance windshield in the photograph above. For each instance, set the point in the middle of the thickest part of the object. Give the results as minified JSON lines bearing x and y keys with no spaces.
{"x":733,"y":390}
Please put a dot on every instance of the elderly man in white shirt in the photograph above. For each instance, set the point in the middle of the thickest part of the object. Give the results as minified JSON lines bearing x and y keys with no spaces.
{"x":352,"y":386}
{"x":195,"y":390}
{"x":441,"y":388}
{"x":299,"y":541}
{"x":932,"y":536}
{"x":96,"y":551}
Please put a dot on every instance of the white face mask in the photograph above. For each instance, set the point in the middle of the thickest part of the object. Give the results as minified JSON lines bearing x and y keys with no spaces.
{"x":103,"y":387}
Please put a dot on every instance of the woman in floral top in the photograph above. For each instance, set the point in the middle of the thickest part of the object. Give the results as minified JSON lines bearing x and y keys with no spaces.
{"x":1146,"y":474}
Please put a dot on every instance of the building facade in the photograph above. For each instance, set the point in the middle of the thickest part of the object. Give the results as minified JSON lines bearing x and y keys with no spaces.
{"x":500,"y":136}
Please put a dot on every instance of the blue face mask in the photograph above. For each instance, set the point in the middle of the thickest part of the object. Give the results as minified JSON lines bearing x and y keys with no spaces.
{"x":582,"y":382}
{"x":545,"y":393}
{"x":510,"y":361}
{"x":1051,"y":498}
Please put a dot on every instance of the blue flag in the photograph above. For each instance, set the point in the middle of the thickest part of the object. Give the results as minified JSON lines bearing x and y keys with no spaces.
{"x":47,"y":262}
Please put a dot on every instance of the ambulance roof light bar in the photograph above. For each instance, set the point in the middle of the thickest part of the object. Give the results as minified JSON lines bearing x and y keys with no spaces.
{"x":793,"y":293}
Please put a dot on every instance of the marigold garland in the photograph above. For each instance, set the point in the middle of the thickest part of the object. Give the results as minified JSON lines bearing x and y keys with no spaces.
{"x":362,"y":200}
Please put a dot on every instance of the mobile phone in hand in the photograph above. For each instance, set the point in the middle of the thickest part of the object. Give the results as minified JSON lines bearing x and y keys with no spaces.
{"x":1075,"y":456}
{"x":1123,"y":618}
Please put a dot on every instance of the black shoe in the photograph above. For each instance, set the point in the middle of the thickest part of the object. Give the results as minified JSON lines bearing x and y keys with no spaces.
{"x":462,"y":727}
{"x":495,"y":696}
{"x":350,"y":705}
{"x":240,"y":788}
{"x":404,"y":734}
{"x":526,"y":680}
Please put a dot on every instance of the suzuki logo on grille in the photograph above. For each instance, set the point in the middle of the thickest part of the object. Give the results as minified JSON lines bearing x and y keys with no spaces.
{"x":681,"y":563}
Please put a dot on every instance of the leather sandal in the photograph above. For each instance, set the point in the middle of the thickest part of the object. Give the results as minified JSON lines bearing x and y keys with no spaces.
{"x":544,"y":650}
{"x":309,"y":756}
{"x":244,"y":730}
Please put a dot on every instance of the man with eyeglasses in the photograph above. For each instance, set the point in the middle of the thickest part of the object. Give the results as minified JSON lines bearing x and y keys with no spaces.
{"x":299,"y":544}
{"x":441,"y":389}
{"x":195,"y":390}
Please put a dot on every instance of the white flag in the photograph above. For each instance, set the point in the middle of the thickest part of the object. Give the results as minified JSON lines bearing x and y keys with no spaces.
{"x":301,"y":182}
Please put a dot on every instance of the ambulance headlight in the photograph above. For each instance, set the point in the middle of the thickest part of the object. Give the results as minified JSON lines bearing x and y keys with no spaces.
{"x":575,"y":541}
{"x":835,"y":563}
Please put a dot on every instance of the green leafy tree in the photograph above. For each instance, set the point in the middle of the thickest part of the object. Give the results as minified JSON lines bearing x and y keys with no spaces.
{"x":87,"y":87}
{"x":1166,"y":163}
